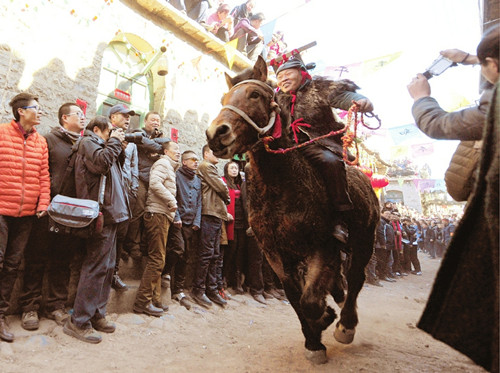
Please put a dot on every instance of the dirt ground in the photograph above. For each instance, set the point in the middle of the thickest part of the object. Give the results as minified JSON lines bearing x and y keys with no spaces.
{"x":247,"y":337}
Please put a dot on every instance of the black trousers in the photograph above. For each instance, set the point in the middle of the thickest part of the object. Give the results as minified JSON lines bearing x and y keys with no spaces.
{"x":414,"y":258}
{"x":255,"y":261}
{"x":208,"y":253}
{"x":332,"y":168}
{"x":47,"y":254}
{"x":14,"y":234}
{"x":382,"y":262}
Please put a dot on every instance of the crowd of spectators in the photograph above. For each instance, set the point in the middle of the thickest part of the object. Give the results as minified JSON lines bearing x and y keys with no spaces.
{"x":400,"y":239}
{"x":238,"y":23}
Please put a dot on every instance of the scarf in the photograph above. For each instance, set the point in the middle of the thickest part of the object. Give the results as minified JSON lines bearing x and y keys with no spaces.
{"x":73,"y":136}
{"x":188,"y":173}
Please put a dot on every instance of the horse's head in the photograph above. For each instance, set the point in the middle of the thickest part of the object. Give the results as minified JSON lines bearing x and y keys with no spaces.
{"x":247,"y":113}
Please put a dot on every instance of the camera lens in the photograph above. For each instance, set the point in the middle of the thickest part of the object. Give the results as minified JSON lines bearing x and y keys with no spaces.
{"x":136,"y":138}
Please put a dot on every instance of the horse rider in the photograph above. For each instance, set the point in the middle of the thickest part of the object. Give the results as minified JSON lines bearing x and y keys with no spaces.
{"x":309,"y":102}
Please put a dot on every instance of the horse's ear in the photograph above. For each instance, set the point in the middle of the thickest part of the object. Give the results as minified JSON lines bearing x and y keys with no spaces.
{"x":260,"y":69}
{"x":229,"y":81}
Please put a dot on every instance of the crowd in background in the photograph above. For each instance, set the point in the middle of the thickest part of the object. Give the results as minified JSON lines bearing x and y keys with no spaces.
{"x":237,"y":23}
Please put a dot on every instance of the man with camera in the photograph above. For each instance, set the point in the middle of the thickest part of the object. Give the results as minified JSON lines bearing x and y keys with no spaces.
{"x":98,"y":171}
{"x":119,"y":116}
{"x":149,"y":151}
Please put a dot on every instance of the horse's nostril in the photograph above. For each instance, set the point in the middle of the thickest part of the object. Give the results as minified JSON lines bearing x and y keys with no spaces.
{"x":222,"y":130}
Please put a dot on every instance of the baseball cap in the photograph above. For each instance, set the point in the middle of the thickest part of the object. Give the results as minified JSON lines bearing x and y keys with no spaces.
{"x":121,"y":109}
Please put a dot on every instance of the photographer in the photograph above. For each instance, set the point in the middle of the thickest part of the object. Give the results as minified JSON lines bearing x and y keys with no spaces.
{"x":119,"y":116}
{"x":465,"y":125}
{"x":149,"y":151}
{"x":98,"y":155}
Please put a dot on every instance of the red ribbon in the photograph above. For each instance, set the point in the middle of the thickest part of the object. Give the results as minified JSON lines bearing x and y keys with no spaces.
{"x":295,"y":128}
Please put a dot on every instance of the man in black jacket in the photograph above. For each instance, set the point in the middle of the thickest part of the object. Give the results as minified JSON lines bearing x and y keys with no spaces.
{"x":384,"y":243}
{"x":97,"y":162}
{"x":47,"y":252}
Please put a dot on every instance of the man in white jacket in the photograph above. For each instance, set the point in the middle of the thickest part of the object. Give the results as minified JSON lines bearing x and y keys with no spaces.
{"x":159,"y":215}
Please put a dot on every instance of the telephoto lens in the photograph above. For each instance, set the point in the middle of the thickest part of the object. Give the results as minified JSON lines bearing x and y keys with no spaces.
{"x":136,"y":138}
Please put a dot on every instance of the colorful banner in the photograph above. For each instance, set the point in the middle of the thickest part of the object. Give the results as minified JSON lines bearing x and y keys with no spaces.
{"x":420,"y":150}
{"x":267,"y":31}
{"x":399,"y":152}
{"x":231,"y":52}
{"x":423,"y":185}
{"x":404,"y":133}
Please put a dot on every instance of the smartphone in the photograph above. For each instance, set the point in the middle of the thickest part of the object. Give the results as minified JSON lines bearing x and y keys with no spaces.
{"x":439,"y":66}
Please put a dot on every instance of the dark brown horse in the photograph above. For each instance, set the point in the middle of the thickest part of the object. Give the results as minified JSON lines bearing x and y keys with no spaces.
{"x":289,"y":212}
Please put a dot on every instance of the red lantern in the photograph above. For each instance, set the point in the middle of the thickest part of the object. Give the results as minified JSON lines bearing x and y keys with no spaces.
{"x":366,"y":170}
{"x":379,"y":181}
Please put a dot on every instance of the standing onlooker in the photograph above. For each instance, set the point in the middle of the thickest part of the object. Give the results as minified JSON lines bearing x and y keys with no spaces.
{"x":384,"y":241}
{"x":197,"y":9}
{"x":397,"y":252}
{"x":439,"y":242}
{"x":183,"y":236}
{"x":97,"y":162}
{"x":250,"y":37}
{"x":429,"y":237}
{"x":234,"y":255}
{"x":448,"y":230}
{"x":148,"y":152}
{"x":221,"y":23}
{"x":161,"y":206}
{"x":47,"y":252}
{"x":215,"y":197}
{"x":242,"y":11}
{"x":120,"y":118}
{"x":412,"y":247}
{"x":25,"y":186}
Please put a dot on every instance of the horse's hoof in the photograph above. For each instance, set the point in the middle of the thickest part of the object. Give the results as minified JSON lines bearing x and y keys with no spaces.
{"x":344,"y":335}
{"x":316,"y":357}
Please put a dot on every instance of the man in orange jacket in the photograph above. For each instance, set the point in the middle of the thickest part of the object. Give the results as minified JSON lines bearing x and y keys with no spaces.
{"x":25,"y":191}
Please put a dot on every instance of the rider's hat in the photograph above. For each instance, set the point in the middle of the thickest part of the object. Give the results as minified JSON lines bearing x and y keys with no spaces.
{"x":290,"y":60}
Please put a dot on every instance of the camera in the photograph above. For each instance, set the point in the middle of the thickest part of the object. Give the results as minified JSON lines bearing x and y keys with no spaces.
{"x":135,"y":137}
{"x":439,"y":66}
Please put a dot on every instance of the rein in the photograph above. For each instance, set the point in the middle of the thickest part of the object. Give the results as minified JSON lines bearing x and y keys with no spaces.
{"x":241,"y":113}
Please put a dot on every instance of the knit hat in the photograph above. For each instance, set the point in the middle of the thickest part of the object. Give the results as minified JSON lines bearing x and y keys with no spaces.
{"x":284,"y":62}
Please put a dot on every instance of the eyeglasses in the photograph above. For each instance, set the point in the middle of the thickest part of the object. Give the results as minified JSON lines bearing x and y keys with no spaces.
{"x":36,"y":107}
{"x":79,"y":113}
{"x":192,"y":159}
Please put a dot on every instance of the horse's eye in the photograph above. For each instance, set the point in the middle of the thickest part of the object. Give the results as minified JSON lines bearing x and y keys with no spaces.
{"x":255,"y":94}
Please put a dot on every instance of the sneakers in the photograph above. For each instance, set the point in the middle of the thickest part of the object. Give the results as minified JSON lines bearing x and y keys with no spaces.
{"x":103,"y":325}
{"x":224,"y":294}
{"x":59,"y":316}
{"x":30,"y":321}
{"x":86,"y":335}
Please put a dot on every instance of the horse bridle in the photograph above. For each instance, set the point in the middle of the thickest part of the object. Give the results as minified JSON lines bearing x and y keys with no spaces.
{"x":241,"y":113}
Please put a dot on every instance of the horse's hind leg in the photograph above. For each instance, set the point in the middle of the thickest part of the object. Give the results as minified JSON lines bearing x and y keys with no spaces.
{"x":345,"y":329}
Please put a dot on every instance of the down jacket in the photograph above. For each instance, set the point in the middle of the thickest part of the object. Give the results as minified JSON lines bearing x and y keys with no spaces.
{"x":162,"y":187}
{"x":465,"y":125}
{"x":24,"y":172}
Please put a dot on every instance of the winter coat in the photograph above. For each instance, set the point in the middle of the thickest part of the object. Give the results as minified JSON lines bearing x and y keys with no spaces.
{"x":448,"y":231}
{"x":188,"y":197}
{"x":215,"y":194}
{"x":462,"y":309}
{"x":380,"y":235}
{"x":465,"y":125}
{"x":314,"y":102}
{"x":162,"y":187}
{"x":94,"y":159}
{"x":24,"y":172}
{"x":130,"y":170}
{"x":389,"y":235}
{"x":60,"y":149}
{"x":148,"y":152}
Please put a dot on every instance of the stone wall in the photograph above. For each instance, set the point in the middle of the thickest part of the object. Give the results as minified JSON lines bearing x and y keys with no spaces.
{"x":55,"y":49}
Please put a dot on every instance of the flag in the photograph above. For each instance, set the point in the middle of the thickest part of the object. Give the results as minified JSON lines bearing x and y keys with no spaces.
{"x":267,"y":31}
{"x":401,"y":134}
{"x":419,"y":150}
{"x":424,"y":184}
{"x":399,"y":152}
{"x":230,"y":49}
{"x":375,"y":64}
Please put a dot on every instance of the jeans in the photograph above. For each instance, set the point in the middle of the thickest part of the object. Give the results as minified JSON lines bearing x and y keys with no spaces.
{"x":95,"y":277}
{"x":206,"y":269}
{"x":157,"y":226}
{"x":14,"y":234}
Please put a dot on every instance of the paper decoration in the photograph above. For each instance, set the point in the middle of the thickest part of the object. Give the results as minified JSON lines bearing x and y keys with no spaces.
{"x":230,"y":49}
{"x":420,"y":150}
{"x":267,"y":30}
{"x":404,"y":133}
{"x":174,"y":134}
